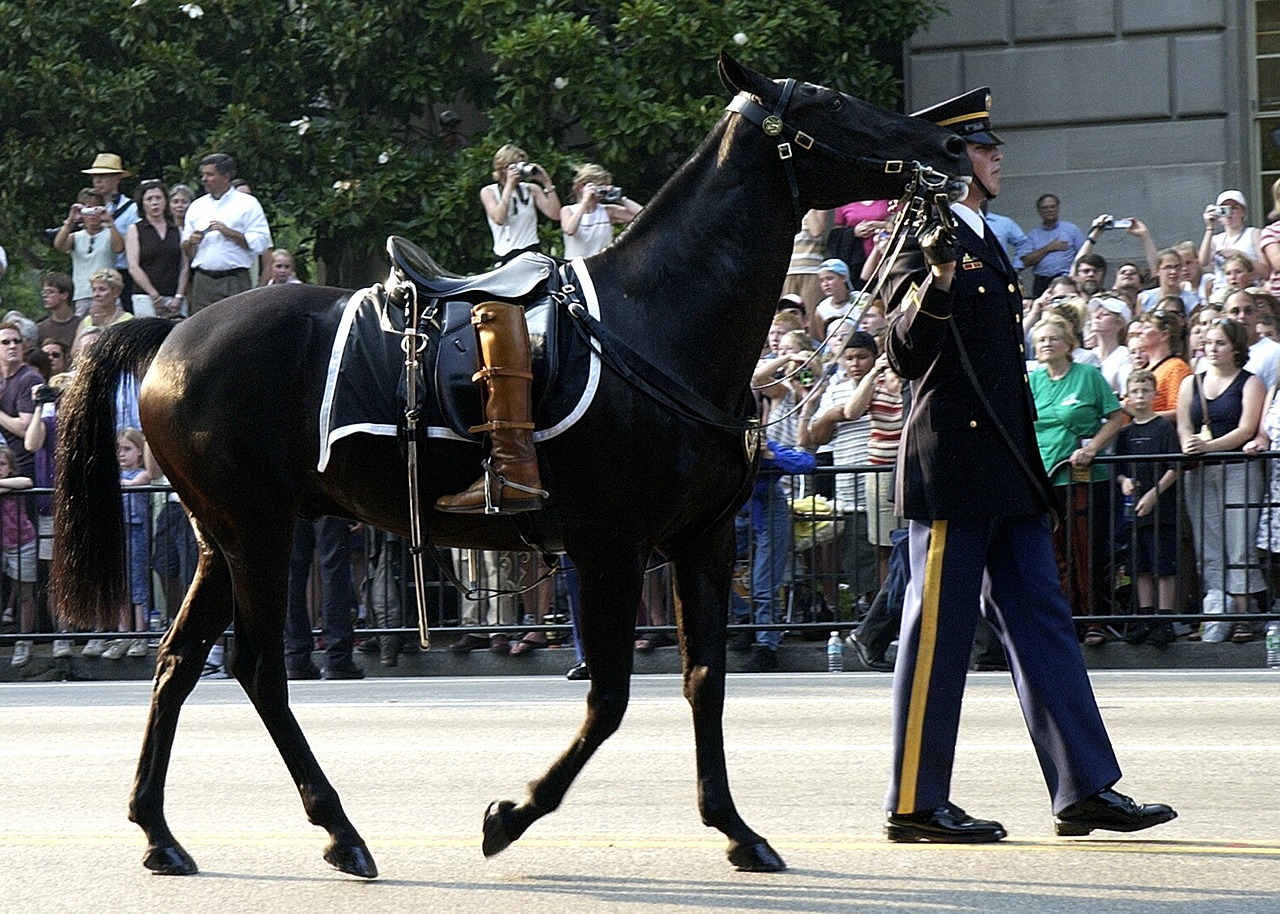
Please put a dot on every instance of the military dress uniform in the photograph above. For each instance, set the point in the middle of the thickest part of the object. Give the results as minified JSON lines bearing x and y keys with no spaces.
{"x":978,"y":513}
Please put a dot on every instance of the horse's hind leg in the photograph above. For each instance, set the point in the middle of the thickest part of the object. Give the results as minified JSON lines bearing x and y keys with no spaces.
{"x":702,"y":589}
{"x":204,"y":616}
{"x":610,"y":592}
{"x":258,"y":664}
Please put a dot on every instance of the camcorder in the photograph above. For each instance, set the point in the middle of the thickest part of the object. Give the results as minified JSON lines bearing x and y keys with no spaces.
{"x":1117,"y":224}
{"x":46,"y":393}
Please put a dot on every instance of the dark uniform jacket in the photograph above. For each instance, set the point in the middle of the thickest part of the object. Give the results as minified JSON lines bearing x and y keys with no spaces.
{"x":952,"y":462}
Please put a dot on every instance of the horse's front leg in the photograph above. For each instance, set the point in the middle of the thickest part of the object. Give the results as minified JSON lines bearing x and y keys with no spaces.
{"x":609,"y":588}
{"x":703,"y":579}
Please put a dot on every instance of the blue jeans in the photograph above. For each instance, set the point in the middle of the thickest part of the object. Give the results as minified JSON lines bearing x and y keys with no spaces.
{"x":770,"y":564}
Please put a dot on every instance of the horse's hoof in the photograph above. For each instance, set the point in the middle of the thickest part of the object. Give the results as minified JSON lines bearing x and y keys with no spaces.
{"x":756,"y":858}
{"x":353,"y":859}
{"x":496,"y":837}
{"x":169,"y":860}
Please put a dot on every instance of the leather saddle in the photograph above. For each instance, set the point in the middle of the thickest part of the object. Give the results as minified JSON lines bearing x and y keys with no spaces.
{"x":453,"y":399}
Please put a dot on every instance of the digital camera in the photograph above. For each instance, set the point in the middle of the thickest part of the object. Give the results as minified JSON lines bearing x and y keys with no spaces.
{"x":1221,"y":212}
{"x":528,"y":169}
{"x":610,"y":194}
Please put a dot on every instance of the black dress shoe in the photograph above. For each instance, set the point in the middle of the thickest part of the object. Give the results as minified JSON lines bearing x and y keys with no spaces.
{"x":1110,"y":811}
{"x":879,"y":664}
{"x":343,"y":670}
{"x":578,"y":672}
{"x":306,"y":670}
{"x":762,"y":660}
{"x":948,"y":824}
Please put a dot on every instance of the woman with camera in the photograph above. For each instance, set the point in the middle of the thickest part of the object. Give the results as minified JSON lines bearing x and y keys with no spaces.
{"x":1230,"y":212}
{"x":588,"y":224}
{"x":521,"y":190}
{"x":93,"y":247}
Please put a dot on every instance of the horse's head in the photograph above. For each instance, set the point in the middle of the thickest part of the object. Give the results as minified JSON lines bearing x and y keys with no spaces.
{"x":836,"y":148}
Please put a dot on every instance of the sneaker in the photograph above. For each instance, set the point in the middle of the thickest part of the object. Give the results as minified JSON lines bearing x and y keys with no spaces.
{"x":213,"y":671}
{"x":21,"y":653}
{"x":93,"y":648}
{"x":578,"y":672}
{"x":137,"y":647}
{"x":742,"y":642}
{"x":763,"y":660}
{"x":1095,"y":635}
{"x":61,"y":648}
{"x":116,"y":649}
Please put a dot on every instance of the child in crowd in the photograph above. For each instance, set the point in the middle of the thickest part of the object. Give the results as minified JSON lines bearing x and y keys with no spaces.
{"x":283,"y":270}
{"x":1148,"y":486}
{"x":18,"y":537}
{"x":130,"y":446}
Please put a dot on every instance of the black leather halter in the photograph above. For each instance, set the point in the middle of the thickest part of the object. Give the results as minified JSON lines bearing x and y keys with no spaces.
{"x":773,"y":125}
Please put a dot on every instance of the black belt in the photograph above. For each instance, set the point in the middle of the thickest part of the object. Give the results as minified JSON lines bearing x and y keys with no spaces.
{"x":222,"y":274}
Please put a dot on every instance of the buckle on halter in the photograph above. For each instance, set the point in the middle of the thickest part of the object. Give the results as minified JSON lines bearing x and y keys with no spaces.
{"x":893,"y":167}
{"x":784,"y":151}
{"x":803,"y":140}
{"x":771,"y":125}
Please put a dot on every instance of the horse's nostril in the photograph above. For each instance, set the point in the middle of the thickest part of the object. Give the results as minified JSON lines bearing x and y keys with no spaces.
{"x":955,"y":145}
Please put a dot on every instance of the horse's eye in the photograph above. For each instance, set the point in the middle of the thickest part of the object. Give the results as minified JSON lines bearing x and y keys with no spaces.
{"x":835,"y":103}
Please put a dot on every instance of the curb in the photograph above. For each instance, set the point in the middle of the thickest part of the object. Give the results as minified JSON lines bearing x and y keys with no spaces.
{"x":797,"y":657}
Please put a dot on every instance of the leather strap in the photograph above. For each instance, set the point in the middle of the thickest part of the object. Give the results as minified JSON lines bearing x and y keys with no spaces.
{"x":641,"y":374}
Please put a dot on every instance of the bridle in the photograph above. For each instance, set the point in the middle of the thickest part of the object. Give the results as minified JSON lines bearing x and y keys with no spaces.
{"x":774,"y":125}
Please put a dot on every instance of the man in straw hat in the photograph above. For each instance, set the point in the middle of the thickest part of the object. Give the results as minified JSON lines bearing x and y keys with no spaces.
{"x":106,"y":172}
{"x":971,"y":482}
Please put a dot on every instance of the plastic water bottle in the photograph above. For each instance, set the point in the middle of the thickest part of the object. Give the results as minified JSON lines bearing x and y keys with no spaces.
{"x":835,"y":653}
{"x":1128,"y":507}
{"x":1273,"y":645}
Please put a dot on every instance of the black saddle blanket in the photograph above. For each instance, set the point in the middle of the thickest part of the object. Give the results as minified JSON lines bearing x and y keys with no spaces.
{"x":365,"y":384}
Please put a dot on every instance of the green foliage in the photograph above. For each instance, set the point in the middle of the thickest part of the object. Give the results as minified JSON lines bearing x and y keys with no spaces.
{"x":329,"y":106}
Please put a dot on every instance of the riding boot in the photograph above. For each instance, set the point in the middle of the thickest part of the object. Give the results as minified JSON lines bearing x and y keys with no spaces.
{"x":510,"y":482}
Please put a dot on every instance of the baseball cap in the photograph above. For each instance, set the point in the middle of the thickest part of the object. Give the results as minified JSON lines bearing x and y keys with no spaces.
{"x":1232,"y":196}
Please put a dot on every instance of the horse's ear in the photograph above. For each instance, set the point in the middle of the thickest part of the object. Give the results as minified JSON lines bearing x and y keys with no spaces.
{"x":737,"y":78}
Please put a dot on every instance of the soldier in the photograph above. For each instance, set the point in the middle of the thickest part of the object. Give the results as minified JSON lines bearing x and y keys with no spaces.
{"x":958,"y":305}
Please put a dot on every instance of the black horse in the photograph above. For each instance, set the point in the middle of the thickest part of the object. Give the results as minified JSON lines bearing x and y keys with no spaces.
{"x":229,"y":403}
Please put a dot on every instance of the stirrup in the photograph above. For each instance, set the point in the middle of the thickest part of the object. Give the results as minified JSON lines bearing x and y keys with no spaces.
{"x":490,"y":475}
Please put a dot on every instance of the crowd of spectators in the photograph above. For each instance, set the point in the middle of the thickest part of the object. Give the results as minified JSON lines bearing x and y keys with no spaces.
{"x":1123,"y":359}
{"x":1172,"y":354}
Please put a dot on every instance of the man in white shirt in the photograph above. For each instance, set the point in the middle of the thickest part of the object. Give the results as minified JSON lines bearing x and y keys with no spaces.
{"x":223,"y":234}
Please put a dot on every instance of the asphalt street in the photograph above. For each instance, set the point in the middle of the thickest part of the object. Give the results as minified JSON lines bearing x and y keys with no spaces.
{"x":418,"y":760}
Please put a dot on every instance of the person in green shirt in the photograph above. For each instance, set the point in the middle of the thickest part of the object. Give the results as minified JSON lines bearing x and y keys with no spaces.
{"x":1077,"y":416}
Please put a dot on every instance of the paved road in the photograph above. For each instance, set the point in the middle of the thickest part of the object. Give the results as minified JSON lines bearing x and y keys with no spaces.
{"x":417,"y":761}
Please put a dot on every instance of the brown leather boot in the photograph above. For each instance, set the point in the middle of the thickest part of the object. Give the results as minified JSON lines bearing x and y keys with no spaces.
{"x":510,"y":482}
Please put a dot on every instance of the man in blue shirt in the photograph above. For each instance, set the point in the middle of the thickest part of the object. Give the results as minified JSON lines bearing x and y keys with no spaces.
{"x":1011,"y":235}
{"x":1054,"y":245}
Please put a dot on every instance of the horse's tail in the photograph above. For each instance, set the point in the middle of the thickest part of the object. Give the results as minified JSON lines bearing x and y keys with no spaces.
{"x":88,"y":578}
